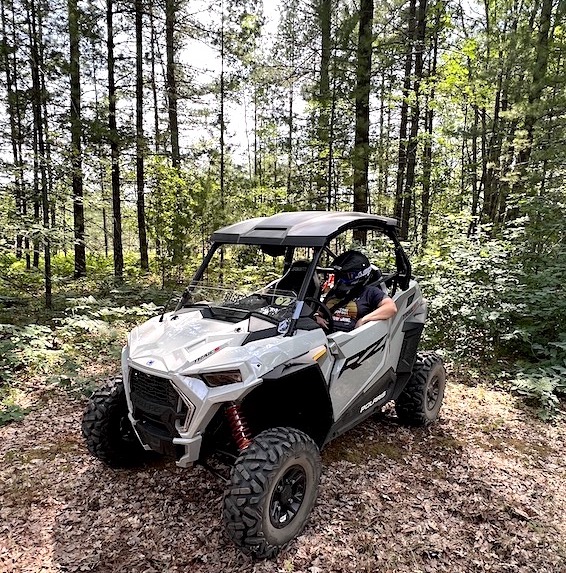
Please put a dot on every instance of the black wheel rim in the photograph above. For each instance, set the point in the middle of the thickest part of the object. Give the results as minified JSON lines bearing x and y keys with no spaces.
{"x":432,"y":393}
{"x":288,"y":496}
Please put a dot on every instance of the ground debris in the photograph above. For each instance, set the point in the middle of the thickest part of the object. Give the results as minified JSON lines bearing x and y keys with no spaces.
{"x":483,"y":489}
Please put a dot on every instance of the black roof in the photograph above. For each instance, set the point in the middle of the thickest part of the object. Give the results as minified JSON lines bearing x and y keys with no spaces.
{"x":300,"y":228}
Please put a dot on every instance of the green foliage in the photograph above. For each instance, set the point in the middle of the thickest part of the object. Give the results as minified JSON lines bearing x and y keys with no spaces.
{"x":15,"y":279}
{"x":67,"y":353}
{"x":169,"y":212}
{"x":464,"y":283}
{"x":30,"y":348}
{"x":545,"y":381}
{"x":497,"y":298}
{"x":544,"y":385}
{"x":183,"y":210}
{"x":11,"y":413}
{"x":23,"y":352}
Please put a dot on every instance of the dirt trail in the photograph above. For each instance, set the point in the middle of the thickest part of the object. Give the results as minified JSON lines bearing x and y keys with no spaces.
{"x":484,"y":489}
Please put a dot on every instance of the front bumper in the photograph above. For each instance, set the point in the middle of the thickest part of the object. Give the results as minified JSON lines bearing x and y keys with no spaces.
{"x":171,"y":414}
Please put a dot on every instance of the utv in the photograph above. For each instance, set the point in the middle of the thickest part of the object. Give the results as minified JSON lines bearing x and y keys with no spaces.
{"x":245,"y":374}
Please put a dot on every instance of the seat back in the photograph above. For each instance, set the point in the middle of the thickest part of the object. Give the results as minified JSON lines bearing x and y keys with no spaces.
{"x":293,"y":279}
{"x":377,"y":279}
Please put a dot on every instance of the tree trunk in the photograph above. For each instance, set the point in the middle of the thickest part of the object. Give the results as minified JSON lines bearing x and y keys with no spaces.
{"x":46,"y":130}
{"x":76,"y":142}
{"x":36,"y":124}
{"x":330,"y":173}
{"x":474,"y":172}
{"x":381,"y":167}
{"x":222,"y":123}
{"x":415,"y":119}
{"x":100,"y":153}
{"x":324,"y":9}
{"x":172,"y":96}
{"x":537,"y":82}
{"x":40,"y":173}
{"x":114,"y":149}
{"x":363,"y":84}
{"x":402,"y":161}
{"x":20,"y":130}
{"x":429,"y":121}
{"x":140,"y":139}
{"x":290,"y":142}
{"x":15,"y":134}
{"x":256,"y":148}
{"x":157,"y":134}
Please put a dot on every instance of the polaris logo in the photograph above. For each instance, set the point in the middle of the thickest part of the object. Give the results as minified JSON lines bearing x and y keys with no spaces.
{"x":372,"y":402}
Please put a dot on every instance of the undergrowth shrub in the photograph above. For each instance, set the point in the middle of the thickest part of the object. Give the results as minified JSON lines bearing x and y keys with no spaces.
{"x":66,"y":352}
{"x":489,"y":302}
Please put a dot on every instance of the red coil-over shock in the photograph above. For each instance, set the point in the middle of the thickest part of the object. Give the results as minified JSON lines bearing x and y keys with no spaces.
{"x":238,"y":426}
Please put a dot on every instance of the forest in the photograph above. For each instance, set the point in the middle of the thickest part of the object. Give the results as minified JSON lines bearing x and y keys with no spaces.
{"x":131,"y":129}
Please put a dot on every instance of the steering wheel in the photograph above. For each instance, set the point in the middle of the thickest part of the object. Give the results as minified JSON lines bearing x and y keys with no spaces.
{"x":325,"y":311}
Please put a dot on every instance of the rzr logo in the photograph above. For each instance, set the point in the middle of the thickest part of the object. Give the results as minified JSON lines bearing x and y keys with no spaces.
{"x":358,"y":359}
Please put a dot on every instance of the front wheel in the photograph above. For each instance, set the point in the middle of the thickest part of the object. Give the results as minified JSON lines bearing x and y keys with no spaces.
{"x":274,"y":484}
{"x":420,"y":401}
{"x":107,"y":430}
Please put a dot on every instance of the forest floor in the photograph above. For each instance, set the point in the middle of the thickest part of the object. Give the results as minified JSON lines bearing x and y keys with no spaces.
{"x":483,"y":489}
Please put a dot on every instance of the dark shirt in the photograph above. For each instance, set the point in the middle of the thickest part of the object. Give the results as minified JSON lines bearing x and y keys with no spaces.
{"x":346,"y":316}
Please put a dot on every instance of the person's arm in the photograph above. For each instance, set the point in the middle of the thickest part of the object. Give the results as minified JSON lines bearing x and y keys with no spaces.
{"x":386,"y":309}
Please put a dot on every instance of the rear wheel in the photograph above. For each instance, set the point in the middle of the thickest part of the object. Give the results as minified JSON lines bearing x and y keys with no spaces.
{"x":274,"y":484}
{"x":107,"y":429}
{"x":420,"y":401}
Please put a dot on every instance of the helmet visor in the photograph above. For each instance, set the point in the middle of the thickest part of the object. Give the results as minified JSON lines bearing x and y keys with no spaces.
{"x":348,"y":277}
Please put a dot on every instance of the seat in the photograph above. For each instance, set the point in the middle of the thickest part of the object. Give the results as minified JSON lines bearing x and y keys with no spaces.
{"x":293,"y":279}
{"x":377,"y":279}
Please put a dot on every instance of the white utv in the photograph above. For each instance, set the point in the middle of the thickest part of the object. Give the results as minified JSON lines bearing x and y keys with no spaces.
{"x":252,"y":379}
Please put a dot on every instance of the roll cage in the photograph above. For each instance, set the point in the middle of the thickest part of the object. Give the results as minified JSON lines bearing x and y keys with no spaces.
{"x":281,"y":234}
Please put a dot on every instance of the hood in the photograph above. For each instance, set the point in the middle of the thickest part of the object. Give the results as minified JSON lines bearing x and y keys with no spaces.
{"x":176,"y":344}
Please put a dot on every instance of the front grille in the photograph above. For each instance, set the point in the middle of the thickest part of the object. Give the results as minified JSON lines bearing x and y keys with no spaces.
{"x":157,"y":402}
{"x":153,"y":389}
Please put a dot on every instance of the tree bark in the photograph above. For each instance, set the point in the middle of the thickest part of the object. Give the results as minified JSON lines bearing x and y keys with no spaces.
{"x":290,"y":141}
{"x":40,"y":173}
{"x":429,"y":122}
{"x":537,"y":82}
{"x":360,"y":157}
{"x":114,"y":148}
{"x":15,"y":133}
{"x":408,"y":193}
{"x":156,"y":130}
{"x":172,"y":95}
{"x":402,"y":161}
{"x":324,"y":9}
{"x":329,"y":188}
{"x":222,"y":122}
{"x":76,"y":142}
{"x":140,"y":139}
{"x":34,"y":95}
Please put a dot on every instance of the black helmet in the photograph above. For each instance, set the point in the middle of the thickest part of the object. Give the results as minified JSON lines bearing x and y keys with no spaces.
{"x":351,"y":268}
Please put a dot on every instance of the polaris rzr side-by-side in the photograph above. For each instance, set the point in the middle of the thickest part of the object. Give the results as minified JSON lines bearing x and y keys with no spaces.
{"x":241,"y":370}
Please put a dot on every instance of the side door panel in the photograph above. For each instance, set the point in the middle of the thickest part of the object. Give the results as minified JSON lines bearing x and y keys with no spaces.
{"x":366,"y":358}
{"x":359,"y":361}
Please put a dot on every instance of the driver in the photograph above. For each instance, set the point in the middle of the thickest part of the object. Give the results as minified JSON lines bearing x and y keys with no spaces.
{"x":351,"y":301}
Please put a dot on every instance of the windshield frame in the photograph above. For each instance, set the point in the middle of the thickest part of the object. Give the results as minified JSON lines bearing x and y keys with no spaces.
{"x":224,"y":303}
{"x":286,"y":326}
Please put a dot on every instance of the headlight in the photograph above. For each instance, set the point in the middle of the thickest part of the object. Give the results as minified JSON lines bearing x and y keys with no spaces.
{"x":222,"y":378}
